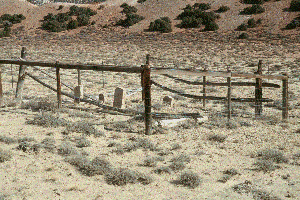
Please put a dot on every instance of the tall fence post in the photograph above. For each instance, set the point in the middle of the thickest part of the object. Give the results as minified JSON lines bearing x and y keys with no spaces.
{"x":204,"y":88}
{"x":21,"y":78}
{"x":147,"y":95}
{"x":258,"y":91}
{"x":1,"y":89}
{"x":285,"y":98}
{"x":78,"y":89}
{"x":229,"y":95}
{"x":58,"y":86}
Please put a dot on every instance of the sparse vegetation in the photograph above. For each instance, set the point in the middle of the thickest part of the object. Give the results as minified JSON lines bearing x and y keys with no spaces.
{"x":295,"y":23}
{"x":189,"y":179}
{"x":242,"y":27}
{"x":253,"y":1}
{"x":162,"y":25}
{"x":7,"y":140}
{"x":177,"y":165}
{"x":66,"y":149}
{"x":131,"y":17}
{"x":49,"y":144}
{"x":295,"y":5}
{"x":5,"y":155}
{"x":14,"y":19}
{"x":121,"y":176}
{"x":211,"y":26}
{"x":82,"y":142}
{"x":223,"y":9}
{"x":149,"y":162}
{"x":60,"y":7}
{"x":243,"y":36}
{"x":267,"y":158}
{"x":5,"y":32}
{"x":217,"y":137}
{"x":254,"y":9}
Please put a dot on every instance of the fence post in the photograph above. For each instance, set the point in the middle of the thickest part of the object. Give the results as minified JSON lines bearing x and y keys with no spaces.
{"x":1,"y":89}
{"x":204,"y":88}
{"x":285,"y":98}
{"x":58,"y":86}
{"x":78,"y":89}
{"x":147,"y":95}
{"x":21,"y":78}
{"x":229,"y":95}
{"x":258,"y":91}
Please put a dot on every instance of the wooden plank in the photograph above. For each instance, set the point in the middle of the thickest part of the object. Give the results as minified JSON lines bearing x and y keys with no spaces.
{"x":94,"y":67}
{"x":147,"y":88}
{"x":58,"y":87}
{"x":208,"y":97}
{"x":285,"y":98}
{"x":175,"y":72}
{"x":258,"y":91}
{"x":272,"y":85}
{"x":265,"y":76}
{"x":21,"y":79}
{"x":1,"y":89}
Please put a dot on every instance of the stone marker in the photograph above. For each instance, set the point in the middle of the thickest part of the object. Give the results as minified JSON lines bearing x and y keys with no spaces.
{"x":119,"y":97}
{"x":78,"y":93}
{"x":101,"y":98}
{"x":168,"y":100}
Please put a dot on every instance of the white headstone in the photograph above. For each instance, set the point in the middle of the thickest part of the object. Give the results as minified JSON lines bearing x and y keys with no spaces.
{"x":119,"y":98}
{"x":168,"y":100}
{"x":78,"y":93}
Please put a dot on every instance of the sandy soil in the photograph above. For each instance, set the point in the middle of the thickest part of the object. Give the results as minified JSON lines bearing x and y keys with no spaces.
{"x":41,"y":170}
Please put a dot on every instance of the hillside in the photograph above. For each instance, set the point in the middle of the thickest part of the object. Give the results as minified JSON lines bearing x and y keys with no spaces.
{"x":273,"y":19}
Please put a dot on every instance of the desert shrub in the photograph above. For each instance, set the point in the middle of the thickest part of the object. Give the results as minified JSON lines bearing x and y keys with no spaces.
{"x":223,"y":9}
{"x":254,"y":9}
{"x":5,"y":155}
{"x":26,"y":139}
{"x":66,"y":149}
{"x":259,"y":21}
{"x":121,"y":176}
{"x":149,"y":162}
{"x":144,"y":179}
{"x":14,"y":19}
{"x":54,"y":26}
{"x":243,"y":36}
{"x":251,"y":23}
{"x":273,"y":155}
{"x":293,"y":24}
{"x":72,"y":24}
{"x":211,"y":26}
{"x":101,"y":7}
{"x":253,"y":1}
{"x":62,"y":17}
{"x":163,"y":170}
{"x":83,"y":20}
{"x":141,"y":1}
{"x":175,"y":146}
{"x":216,"y":137}
{"x":162,"y":25}
{"x":76,"y":11}
{"x":98,"y":166}
{"x":60,"y":7}
{"x":191,"y":22}
{"x":49,"y":144}
{"x":177,"y":165}
{"x":82,"y":142}
{"x":24,"y":146}
{"x":47,"y":120}
{"x":265,"y":165}
{"x":84,"y":127}
{"x":181,"y":158}
{"x":40,"y":104}
{"x":189,"y":179}
{"x":79,"y":161}
{"x":7,"y":140}
{"x":295,"y":5}
{"x":5,"y":32}
{"x":231,"y":172}
{"x":242,"y":27}
{"x":127,"y":9}
{"x":201,"y":6}
{"x":130,"y":20}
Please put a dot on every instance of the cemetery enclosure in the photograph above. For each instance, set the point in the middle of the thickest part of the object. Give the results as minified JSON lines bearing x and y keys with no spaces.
{"x":145,"y":71}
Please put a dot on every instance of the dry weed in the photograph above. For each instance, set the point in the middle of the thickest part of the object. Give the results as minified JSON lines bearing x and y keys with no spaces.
{"x":5,"y":155}
{"x":189,"y":179}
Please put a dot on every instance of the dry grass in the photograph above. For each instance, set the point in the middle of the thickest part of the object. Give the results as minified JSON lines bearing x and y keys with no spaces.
{"x":41,"y":104}
{"x":189,"y":179}
{"x":7,"y":140}
{"x":5,"y":155}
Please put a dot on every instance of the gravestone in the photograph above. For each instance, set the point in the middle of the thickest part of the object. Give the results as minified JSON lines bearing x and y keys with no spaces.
{"x":168,"y":100}
{"x":101,"y":98}
{"x":119,"y":98}
{"x":78,"y":93}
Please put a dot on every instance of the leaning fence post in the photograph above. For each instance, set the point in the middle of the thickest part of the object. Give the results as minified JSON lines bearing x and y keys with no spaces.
{"x":204,"y":88}
{"x":58,"y":85}
{"x":1,"y":90}
{"x":258,"y":91}
{"x":285,"y":98}
{"x":229,"y":95}
{"x":21,"y":78}
{"x":147,"y":94}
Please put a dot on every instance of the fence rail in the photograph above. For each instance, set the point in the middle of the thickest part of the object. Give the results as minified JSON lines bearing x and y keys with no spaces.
{"x":145,"y":71}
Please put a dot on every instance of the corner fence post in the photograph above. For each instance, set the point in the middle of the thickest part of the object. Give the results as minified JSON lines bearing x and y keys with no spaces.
{"x":21,"y":78}
{"x":1,"y":89}
{"x":258,"y":91}
{"x":229,"y":95}
{"x":147,"y":95}
{"x":285,"y":98}
{"x":58,"y":86}
{"x":204,"y":89}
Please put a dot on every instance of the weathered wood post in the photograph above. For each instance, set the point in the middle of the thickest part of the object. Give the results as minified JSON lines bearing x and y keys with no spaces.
{"x":204,"y":88}
{"x":258,"y":91}
{"x":229,"y":95}
{"x":285,"y":98}
{"x":1,"y":89}
{"x":147,"y":95}
{"x":21,"y":78}
{"x":58,"y":86}
{"x":78,"y":88}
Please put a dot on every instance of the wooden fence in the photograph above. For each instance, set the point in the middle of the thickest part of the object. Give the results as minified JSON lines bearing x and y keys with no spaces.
{"x":146,"y":83}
